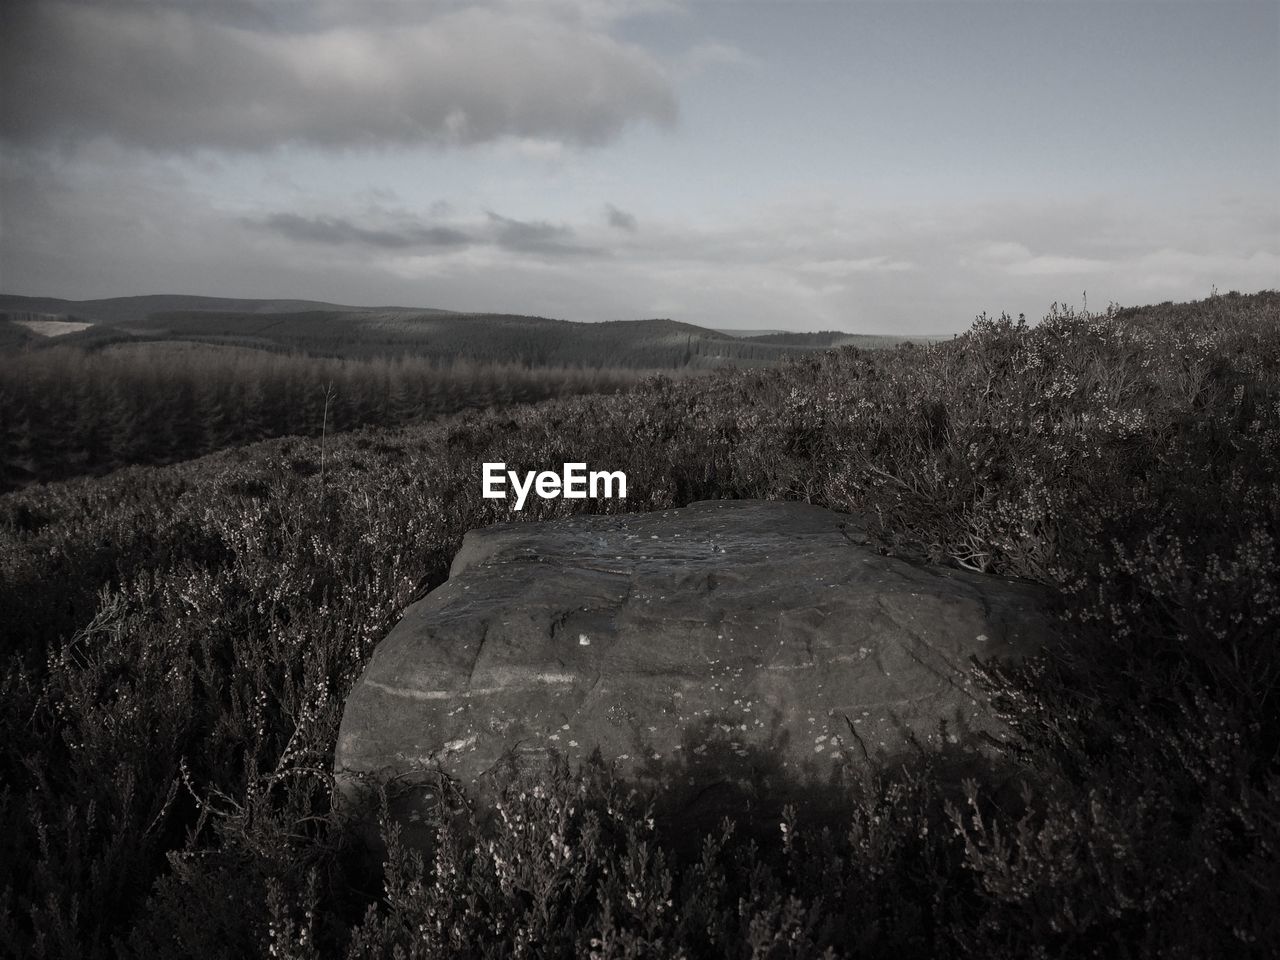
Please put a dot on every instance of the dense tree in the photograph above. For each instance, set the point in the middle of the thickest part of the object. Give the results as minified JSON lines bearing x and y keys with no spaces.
{"x":68,"y":412}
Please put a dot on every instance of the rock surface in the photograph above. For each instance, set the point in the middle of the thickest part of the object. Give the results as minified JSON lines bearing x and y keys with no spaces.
{"x":697,"y":645}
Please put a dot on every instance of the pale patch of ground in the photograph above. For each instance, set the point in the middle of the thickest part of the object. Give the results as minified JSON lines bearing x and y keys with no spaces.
{"x":53,"y":328}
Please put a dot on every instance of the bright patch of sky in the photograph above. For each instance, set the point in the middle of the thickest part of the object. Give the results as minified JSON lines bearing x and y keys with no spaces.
{"x":871,"y":167}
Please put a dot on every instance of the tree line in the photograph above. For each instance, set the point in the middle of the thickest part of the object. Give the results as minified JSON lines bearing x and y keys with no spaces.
{"x":68,"y":412}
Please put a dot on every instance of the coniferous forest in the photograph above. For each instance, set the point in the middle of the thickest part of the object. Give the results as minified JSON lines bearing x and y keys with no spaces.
{"x":70,"y":412}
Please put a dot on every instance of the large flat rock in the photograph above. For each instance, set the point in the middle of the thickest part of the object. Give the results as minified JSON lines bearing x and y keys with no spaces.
{"x":695,"y":642}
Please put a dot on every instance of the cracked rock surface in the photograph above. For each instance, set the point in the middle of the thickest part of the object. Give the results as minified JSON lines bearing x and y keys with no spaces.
{"x":699,"y":645}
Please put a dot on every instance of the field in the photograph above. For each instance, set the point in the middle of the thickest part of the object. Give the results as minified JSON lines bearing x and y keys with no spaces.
{"x":179,"y":640}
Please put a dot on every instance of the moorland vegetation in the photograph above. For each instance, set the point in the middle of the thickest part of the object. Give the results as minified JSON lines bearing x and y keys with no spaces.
{"x":443,"y":336}
{"x":155,"y":380}
{"x":179,"y":641}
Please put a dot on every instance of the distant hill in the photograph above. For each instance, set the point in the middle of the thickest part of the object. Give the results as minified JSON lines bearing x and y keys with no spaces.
{"x":335,"y":330}
{"x":121,"y":311}
{"x":828,"y":339}
{"x":743,"y":334}
{"x":480,"y":337}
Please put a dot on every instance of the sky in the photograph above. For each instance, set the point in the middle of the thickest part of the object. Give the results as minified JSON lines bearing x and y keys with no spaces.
{"x":888,"y":167}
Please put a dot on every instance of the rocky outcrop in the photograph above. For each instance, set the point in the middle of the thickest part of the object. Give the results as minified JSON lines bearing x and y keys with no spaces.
{"x":706,"y":646}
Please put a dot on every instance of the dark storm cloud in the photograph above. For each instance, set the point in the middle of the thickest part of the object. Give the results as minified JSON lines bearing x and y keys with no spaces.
{"x":406,"y":232}
{"x":536,"y":236}
{"x":168,"y":76}
{"x":335,"y":230}
{"x":619,"y":219}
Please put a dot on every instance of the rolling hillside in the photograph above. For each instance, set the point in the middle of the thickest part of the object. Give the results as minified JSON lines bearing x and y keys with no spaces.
{"x":486,"y":338}
{"x":122,"y":311}
{"x":332,"y":330}
{"x":830,"y":339}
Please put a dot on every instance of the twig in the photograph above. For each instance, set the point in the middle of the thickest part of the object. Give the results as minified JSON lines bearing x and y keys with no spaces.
{"x":329,"y":394}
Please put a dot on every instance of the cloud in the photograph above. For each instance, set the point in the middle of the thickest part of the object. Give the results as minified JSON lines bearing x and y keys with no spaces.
{"x":619,"y":219}
{"x":535,"y":236}
{"x":845,"y":268}
{"x":1017,"y":260}
{"x":336,"y":230}
{"x":167,"y":76}
{"x":1056,"y":266}
{"x":1166,"y":269}
{"x":403,"y":231}
{"x":594,"y":11}
{"x":711,"y":54}
{"x":109,"y":221}
{"x":1002,"y":252}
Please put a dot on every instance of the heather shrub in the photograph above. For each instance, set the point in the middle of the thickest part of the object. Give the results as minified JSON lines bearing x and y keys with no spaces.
{"x":580,"y":865}
{"x":179,"y":640}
